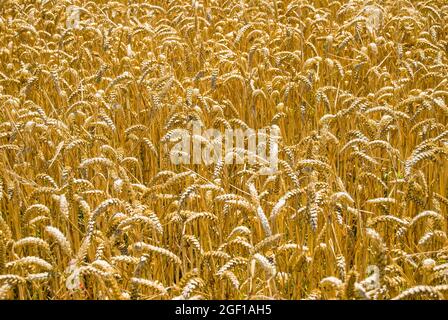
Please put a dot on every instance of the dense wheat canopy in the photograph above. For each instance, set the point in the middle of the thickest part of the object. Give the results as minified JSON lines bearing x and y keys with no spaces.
{"x":92,"y":207}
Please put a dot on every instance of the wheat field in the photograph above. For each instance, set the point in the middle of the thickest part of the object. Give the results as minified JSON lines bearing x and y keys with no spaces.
{"x":92,"y":92}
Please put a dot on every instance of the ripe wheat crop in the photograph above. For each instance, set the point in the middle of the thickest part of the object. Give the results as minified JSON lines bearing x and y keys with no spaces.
{"x":94,"y":93}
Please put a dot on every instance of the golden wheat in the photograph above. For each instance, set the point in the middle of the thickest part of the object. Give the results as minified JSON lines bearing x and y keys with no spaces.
{"x":93,"y":101}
